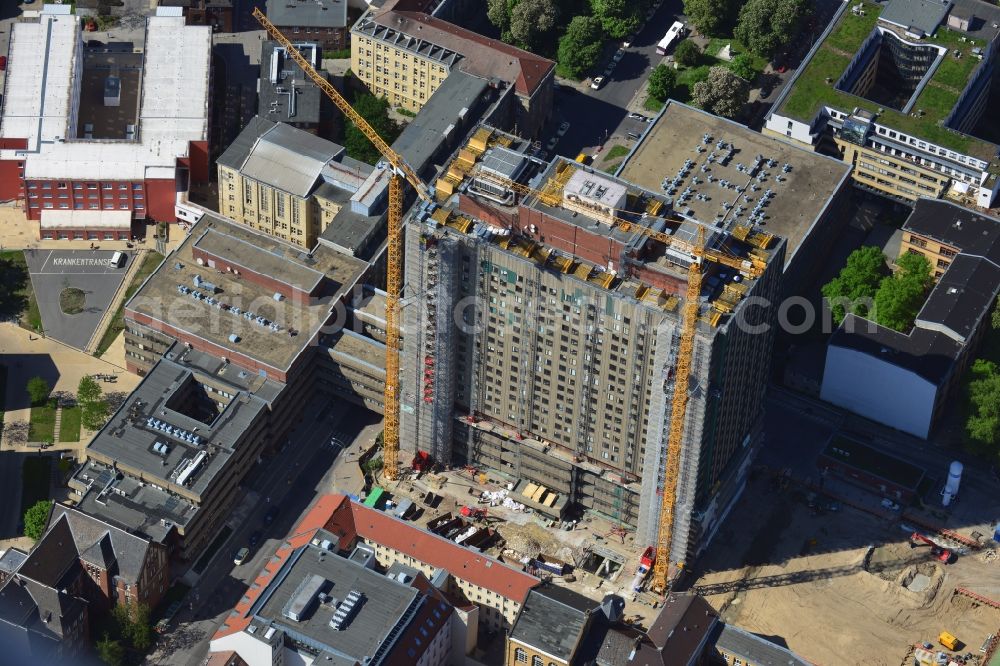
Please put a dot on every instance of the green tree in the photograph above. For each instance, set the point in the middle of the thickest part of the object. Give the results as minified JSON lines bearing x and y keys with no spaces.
{"x":375,"y":111}
{"x":853,"y":290}
{"x":35,"y":519}
{"x":498,"y":12}
{"x":617,"y":17}
{"x":110,"y":651}
{"x":530,"y":19}
{"x":133,"y":624}
{"x":579,"y":48}
{"x":710,"y":17}
{"x":687,"y":53}
{"x":38,"y":390}
{"x":765,"y":26}
{"x":93,"y":407}
{"x":722,"y":93}
{"x":662,"y":83}
{"x":743,"y":67}
{"x":899,"y":297}
{"x":995,"y":317}
{"x":982,"y":424}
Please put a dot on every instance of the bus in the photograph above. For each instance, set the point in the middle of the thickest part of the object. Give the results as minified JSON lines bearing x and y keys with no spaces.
{"x":676,"y":31}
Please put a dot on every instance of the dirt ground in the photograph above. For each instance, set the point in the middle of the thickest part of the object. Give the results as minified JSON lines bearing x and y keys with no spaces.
{"x":840,"y":587}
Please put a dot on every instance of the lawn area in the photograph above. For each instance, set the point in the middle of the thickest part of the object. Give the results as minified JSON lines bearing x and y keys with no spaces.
{"x":615,"y":152}
{"x":43,"y":423}
{"x":716,"y":44}
{"x":17,"y":299}
{"x":686,"y":78}
{"x":36,"y":475}
{"x":653,"y":104}
{"x":811,"y":90}
{"x":69,"y":430}
{"x":151,"y":262}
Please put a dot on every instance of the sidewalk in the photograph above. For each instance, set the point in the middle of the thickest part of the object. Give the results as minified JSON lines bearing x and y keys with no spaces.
{"x":18,"y":232}
{"x":29,"y":355}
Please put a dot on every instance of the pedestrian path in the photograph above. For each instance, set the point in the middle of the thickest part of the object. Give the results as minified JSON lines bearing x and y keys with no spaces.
{"x":57,"y":429}
{"x":116,"y":301}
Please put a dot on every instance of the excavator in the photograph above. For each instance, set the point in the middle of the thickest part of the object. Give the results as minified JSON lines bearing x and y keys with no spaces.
{"x":940,"y":553}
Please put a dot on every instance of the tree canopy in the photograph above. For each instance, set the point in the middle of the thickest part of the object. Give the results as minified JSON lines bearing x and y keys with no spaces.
{"x":710,"y":17}
{"x":899,"y":298}
{"x":687,"y":53}
{"x":617,"y":17}
{"x":530,"y":19}
{"x":853,"y":290}
{"x":766,"y":26}
{"x":982,"y":425}
{"x":580,"y":47}
{"x":93,"y":406}
{"x":662,"y":83}
{"x":13,"y":279}
{"x":110,"y":651}
{"x":35,"y":519}
{"x":743,"y":67}
{"x":722,"y":93}
{"x":375,"y":111}
{"x":38,"y":390}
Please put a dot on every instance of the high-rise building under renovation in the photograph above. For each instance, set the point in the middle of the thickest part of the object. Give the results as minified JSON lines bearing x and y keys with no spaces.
{"x":561,"y":380}
{"x":541,"y":334}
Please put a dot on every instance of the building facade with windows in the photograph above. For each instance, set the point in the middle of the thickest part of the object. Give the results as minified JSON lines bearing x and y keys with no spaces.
{"x":903,"y":99}
{"x":404,"y":54}
{"x":287,"y":183}
{"x":320,"y":21}
{"x":64,"y":148}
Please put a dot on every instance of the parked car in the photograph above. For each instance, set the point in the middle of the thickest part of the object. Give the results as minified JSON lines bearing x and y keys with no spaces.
{"x":619,"y":54}
{"x":563,"y":128}
{"x":271,"y":514}
{"x":628,"y":41}
{"x":597,"y":82}
{"x":638,"y":116}
{"x":241,"y":556}
{"x":610,"y":68}
{"x":3,"y":63}
{"x":889,"y":504}
{"x":255,"y":538}
{"x":552,"y":143}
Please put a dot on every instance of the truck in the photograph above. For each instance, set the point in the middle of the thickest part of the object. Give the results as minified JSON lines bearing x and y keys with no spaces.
{"x":403,"y":509}
{"x":940,"y":553}
{"x":674,"y":34}
{"x":475,"y":513}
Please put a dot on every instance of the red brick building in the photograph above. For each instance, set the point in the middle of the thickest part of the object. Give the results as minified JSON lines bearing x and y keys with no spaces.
{"x":138,"y":148}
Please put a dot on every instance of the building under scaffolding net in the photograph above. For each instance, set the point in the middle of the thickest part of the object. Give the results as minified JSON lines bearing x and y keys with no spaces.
{"x":542,"y":326}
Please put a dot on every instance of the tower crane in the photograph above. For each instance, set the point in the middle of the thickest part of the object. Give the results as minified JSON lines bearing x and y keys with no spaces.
{"x":401,"y":171}
{"x":394,"y":260}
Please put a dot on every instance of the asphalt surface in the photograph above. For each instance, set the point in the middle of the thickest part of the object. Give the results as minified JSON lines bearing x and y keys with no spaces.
{"x":10,"y":481}
{"x":597,"y":115}
{"x":293,"y":480}
{"x":88,"y":270}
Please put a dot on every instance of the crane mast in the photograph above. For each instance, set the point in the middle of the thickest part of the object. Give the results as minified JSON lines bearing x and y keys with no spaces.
{"x":394,"y":253}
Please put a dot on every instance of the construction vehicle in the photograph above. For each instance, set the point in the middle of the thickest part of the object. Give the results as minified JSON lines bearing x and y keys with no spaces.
{"x":752,"y":267}
{"x":475,"y":513}
{"x":394,"y":259}
{"x":940,"y":553}
{"x":948,"y":640}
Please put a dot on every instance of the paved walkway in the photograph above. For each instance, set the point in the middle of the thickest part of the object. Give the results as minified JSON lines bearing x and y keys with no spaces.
{"x":116,"y":300}
{"x":29,"y":355}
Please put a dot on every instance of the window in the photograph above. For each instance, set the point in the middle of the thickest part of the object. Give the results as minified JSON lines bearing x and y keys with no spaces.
{"x":536,"y":661}
{"x":520,"y":656}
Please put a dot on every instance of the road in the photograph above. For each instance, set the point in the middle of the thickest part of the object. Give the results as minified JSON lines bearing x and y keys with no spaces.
{"x":597,"y":115}
{"x":293,"y":480}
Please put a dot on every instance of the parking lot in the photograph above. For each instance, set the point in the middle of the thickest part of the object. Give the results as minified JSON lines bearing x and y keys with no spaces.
{"x":52,"y":271}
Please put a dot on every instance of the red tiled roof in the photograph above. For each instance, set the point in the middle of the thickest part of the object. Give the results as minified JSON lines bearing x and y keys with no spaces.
{"x":338,"y":515}
{"x":481,"y":56}
{"x":436,"y":551}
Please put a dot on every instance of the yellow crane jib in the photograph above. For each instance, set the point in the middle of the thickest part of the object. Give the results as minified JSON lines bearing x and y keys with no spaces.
{"x":394,"y":251}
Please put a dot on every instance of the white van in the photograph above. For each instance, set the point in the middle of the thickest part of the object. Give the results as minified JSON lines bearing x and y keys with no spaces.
{"x":118,"y":259}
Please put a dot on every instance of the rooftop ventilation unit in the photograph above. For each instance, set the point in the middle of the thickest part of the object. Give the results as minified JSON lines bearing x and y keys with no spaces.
{"x":346,"y":610}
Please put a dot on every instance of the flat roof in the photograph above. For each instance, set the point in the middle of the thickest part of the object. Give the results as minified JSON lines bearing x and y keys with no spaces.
{"x":922,"y":15}
{"x":351,"y":232}
{"x":873,"y":461}
{"x":128,"y":438}
{"x":173,"y":110}
{"x":552,"y":620}
{"x":446,"y":109}
{"x":385,"y":602}
{"x":161,"y":300}
{"x":798,"y":201}
{"x":962,"y":297}
{"x":353,"y":347}
{"x":315,"y":13}
{"x":808,"y":92}
{"x":291,"y":98}
{"x":967,"y":230}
